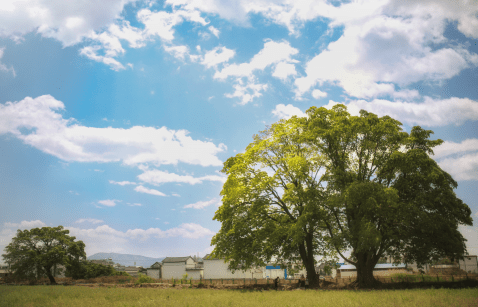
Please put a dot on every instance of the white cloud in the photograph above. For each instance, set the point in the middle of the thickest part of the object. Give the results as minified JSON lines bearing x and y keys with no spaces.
{"x":204,"y":204}
{"x":159,"y":177}
{"x":161,"y":23}
{"x":91,"y":52}
{"x":247,"y":92}
{"x":105,"y":238}
{"x":142,"y":189}
{"x":464,"y":167}
{"x":214,"y":31}
{"x":287,"y":111}
{"x":430,"y":112}
{"x":177,"y":195}
{"x":178,"y":52}
{"x":216,"y":56}
{"x":4,"y":67}
{"x":25,"y":224}
{"x":109,"y":202}
{"x":318,"y":94}
{"x":384,"y":49}
{"x":122,"y":183}
{"x":283,"y":70}
{"x":92,"y":221}
{"x":68,"y":22}
{"x":459,"y":159}
{"x":272,"y":53}
{"x":49,"y":132}
{"x":135,"y":205}
{"x":450,"y":148}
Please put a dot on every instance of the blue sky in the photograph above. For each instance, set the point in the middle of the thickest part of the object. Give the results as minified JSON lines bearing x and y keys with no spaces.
{"x":115,"y":118}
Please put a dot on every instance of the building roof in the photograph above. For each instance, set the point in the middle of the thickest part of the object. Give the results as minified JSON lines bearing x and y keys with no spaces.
{"x":377,"y":266}
{"x":176,"y":259}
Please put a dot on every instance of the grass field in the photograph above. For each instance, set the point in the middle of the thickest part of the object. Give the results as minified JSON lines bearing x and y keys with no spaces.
{"x":82,"y":296}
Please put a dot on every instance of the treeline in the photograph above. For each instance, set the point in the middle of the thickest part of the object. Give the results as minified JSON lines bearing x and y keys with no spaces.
{"x":87,"y":270}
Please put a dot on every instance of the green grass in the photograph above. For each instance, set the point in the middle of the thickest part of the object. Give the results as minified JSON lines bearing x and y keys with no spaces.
{"x":82,"y":296}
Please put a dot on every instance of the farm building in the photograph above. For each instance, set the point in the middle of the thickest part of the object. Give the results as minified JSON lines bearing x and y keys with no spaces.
{"x":216,"y":268}
{"x":469,"y":264}
{"x":383,"y":269}
{"x":154,"y":271}
{"x":274,"y":271}
{"x":176,"y":267}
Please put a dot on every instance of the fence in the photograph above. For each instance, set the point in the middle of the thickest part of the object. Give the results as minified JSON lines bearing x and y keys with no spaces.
{"x":409,"y":278}
{"x":228,"y":281}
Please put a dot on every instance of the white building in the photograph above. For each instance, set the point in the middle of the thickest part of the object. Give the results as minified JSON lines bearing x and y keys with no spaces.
{"x":215,"y":268}
{"x":383,"y":269}
{"x":154,"y":271}
{"x":274,"y":272}
{"x":176,"y":267}
{"x":469,"y":264}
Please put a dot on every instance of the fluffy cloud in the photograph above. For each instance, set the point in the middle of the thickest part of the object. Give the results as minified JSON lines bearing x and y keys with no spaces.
{"x":105,"y":238}
{"x":459,"y":159}
{"x":318,"y":94}
{"x":430,"y":112}
{"x":287,"y":111}
{"x":25,"y":225}
{"x":142,"y":189}
{"x":4,"y":67}
{"x":247,"y":92}
{"x":178,"y":52}
{"x":37,"y":122}
{"x":92,"y":221}
{"x":159,"y":177}
{"x":122,"y":183}
{"x":387,"y":47}
{"x":204,"y":204}
{"x":109,"y":202}
{"x":217,"y":56}
{"x":161,"y":23}
{"x":272,"y":53}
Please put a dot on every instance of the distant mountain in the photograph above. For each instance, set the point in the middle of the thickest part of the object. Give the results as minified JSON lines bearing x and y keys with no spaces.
{"x":126,"y":259}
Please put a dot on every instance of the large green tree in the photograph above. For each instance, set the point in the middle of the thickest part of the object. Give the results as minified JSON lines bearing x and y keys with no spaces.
{"x":272,"y":205}
{"x":33,"y":253}
{"x":358,"y":183}
{"x":385,"y":194}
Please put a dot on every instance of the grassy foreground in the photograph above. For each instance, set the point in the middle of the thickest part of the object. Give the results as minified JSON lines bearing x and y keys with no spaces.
{"x":83,"y":296}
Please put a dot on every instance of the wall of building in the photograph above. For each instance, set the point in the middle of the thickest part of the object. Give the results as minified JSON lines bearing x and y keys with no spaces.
{"x":274,"y":273}
{"x":469,"y":264}
{"x":381,"y":273}
{"x":173,"y":270}
{"x":195,"y":274}
{"x":154,"y":273}
{"x":217,"y":268}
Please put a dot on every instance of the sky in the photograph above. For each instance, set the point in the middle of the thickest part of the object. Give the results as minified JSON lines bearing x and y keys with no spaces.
{"x":116,"y":116}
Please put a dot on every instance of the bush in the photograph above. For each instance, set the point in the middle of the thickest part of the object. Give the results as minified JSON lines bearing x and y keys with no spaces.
{"x":142,"y":279}
{"x":89,"y":270}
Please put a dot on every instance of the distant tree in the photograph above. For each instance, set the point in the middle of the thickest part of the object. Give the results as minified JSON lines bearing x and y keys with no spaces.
{"x":35,"y":253}
{"x":86,"y":270}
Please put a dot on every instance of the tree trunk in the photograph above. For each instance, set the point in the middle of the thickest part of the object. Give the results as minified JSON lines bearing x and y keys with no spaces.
{"x":50,"y":276}
{"x":365,"y":266}
{"x":307,"y":255}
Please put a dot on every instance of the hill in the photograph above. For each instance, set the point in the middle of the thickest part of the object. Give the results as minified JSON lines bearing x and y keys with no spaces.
{"x":127,"y":259}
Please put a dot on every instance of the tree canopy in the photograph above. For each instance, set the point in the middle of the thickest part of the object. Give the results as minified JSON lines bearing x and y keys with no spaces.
{"x":330,"y":182}
{"x":34,"y":253}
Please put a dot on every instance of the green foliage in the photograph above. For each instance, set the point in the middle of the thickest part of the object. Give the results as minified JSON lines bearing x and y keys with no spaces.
{"x":335,"y":182}
{"x":144,"y":279}
{"x":86,"y":270}
{"x":272,"y":205}
{"x":35,"y":253}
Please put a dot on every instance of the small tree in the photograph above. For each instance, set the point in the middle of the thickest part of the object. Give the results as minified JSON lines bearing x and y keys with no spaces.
{"x":34,"y":253}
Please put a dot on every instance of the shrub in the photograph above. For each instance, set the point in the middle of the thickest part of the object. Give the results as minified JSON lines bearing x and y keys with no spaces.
{"x":144,"y":279}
